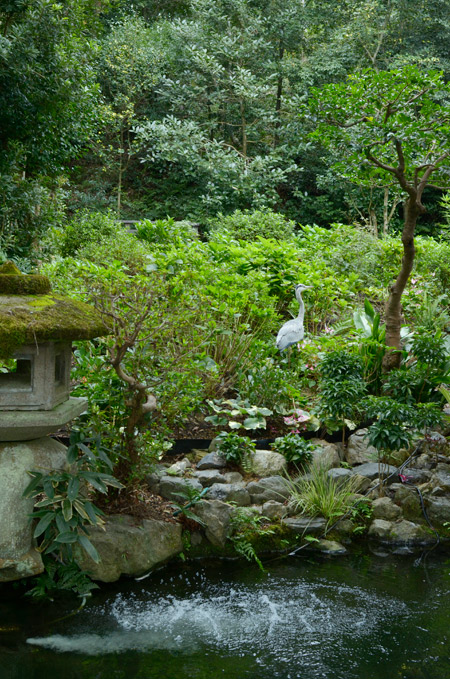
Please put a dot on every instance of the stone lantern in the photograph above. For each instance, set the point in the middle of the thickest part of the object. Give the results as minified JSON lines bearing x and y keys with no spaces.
{"x":37,"y":328}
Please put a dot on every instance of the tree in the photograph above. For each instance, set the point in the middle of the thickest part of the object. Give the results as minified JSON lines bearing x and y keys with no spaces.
{"x":48,"y":105}
{"x":390,"y":128}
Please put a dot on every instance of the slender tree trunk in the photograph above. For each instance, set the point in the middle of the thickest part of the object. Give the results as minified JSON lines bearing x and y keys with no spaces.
{"x":279,"y":95}
{"x":393,"y":308}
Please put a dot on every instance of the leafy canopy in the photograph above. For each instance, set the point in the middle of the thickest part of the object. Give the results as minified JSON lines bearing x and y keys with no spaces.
{"x":385,"y":126}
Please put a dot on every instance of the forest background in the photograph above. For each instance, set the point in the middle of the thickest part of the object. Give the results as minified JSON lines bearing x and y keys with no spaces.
{"x":188,"y":109}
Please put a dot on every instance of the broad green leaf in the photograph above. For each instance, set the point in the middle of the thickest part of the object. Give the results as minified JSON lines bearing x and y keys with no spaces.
{"x":89,"y":548}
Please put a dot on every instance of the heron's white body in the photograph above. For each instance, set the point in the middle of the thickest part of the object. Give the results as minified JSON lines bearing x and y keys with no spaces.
{"x":293,"y":331}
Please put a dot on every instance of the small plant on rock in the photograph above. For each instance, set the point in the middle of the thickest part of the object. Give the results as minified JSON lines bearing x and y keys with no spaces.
{"x":295,"y":449}
{"x":236,"y":449}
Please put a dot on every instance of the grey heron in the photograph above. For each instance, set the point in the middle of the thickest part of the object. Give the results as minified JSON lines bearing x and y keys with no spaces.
{"x":292,"y":331}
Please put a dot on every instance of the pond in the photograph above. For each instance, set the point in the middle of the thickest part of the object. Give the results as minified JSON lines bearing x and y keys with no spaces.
{"x":358,"y":617}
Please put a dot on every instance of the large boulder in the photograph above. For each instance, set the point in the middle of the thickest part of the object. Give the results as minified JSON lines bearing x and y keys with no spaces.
{"x":438,"y":509}
{"x":371,"y":470}
{"x":130,"y":546}
{"x":211,"y":461}
{"x":175,"y":488}
{"x":18,"y":557}
{"x":215,"y":518}
{"x":269,"y":488}
{"x":358,"y":449}
{"x":229,"y":492}
{"x":326,"y":454}
{"x":266,"y":463}
{"x":209,"y":476}
{"x":385,"y":508}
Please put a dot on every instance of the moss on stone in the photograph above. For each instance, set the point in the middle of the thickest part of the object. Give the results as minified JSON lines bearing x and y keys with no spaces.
{"x":9,"y":269}
{"x":13,"y":282}
{"x":41,"y":318}
{"x":33,"y":284}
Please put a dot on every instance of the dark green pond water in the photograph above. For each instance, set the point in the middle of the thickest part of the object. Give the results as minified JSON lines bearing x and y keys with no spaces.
{"x":360,"y":617}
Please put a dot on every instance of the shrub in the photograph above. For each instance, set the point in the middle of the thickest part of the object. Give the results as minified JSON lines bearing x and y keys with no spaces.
{"x":166,"y":232}
{"x":85,"y":228}
{"x":319,"y":494}
{"x":247,"y":225}
{"x":235,"y":449}
{"x":294,"y":448}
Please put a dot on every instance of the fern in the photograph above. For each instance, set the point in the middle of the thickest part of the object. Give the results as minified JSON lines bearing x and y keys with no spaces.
{"x":246,"y":549}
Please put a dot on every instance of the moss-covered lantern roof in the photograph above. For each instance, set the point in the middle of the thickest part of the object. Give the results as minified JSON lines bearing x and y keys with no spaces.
{"x":30,"y":313}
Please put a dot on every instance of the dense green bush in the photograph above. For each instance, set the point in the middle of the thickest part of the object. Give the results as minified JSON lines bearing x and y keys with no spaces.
{"x":250,"y":225}
{"x":166,"y":232}
{"x":85,"y":228}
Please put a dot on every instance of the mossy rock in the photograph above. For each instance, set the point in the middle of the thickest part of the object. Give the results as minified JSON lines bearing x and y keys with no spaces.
{"x":13,"y":282}
{"x":42,"y":318}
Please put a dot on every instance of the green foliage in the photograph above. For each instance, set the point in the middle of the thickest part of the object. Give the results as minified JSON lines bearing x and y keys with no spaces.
{"x":249,"y":416}
{"x":295,"y":449}
{"x":235,"y":449}
{"x":250,"y":225}
{"x":165,"y":232}
{"x":319,"y":494}
{"x":64,"y":509}
{"x":372,"y":347}
{"x":58,"y":577}
{"x":83,"y":229}
{"x":365,"y":119}
{"x":396,"y":422}
{"x":247,"y":527}
{"x":341,"y":389}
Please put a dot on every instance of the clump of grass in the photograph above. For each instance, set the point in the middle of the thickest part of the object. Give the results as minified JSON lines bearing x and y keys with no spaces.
{"x":318,"y":494}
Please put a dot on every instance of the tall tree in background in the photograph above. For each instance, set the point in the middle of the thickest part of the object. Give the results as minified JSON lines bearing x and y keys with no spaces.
{"x":390,"y":128}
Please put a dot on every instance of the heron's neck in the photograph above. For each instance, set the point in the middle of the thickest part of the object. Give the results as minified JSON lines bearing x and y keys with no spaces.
{"x":301,"y":310}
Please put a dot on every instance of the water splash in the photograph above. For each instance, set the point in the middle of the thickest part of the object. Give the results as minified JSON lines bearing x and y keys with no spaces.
{"x":287,"y":619}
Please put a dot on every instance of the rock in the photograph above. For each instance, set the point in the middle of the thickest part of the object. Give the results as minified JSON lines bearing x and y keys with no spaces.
{"x":274,"y":510}
{"x":339,"y":474}
{"x":361,"y":483}
{"x":344,"y":529}
{"x":229,"y":492}
{"x":358,"y":449}
{"x":233,"y":477}
{"x":250,"y":511}
{"x":130,"y":546}
{"x":380,"y":529}
{"x":371,"y":470}
{"x":152,"y":480}
{"x":417,"y":476}
{"x":18,"y":558}
{"x":169,"y":486}
{"x":422,"y":462}
{"x":329,"y":547}
{"x":215,"y":516}
{"x":178,"y":468}
{"x":308,"y":525}
{"x":407,"y":532}
{"x":209,"y":476}
{"x":269,"y":488}
{"x":266,"y":463}
{"x":441,"y":478}
{"x":326,"y":454}
{"x":385,"y":508}
{"x":211,"y":461}
{"x":438,"y":509}
{"x":408,"y":499}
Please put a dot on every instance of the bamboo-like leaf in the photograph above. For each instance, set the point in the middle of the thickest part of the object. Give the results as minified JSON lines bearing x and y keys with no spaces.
{"x":67,"y":509}
{"x":89,"y":548}
{"x":73,"y":488}
{"x":35,"y":481}
{"x":67,"y":538}
{"x":43,"y":524}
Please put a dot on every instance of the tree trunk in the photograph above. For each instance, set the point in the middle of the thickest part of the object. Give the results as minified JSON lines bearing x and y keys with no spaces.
{"x":393,"y":307}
